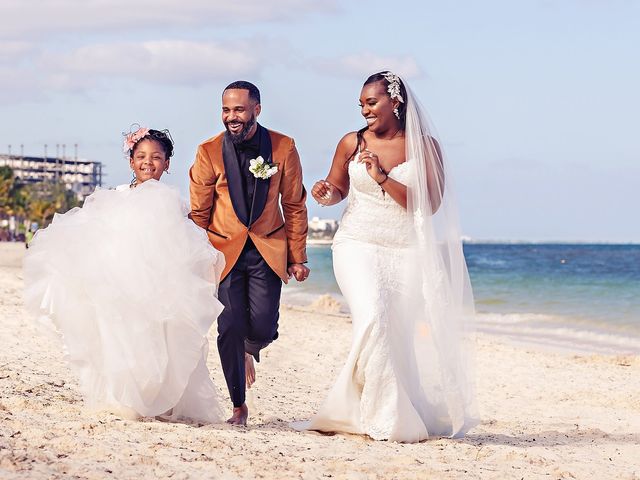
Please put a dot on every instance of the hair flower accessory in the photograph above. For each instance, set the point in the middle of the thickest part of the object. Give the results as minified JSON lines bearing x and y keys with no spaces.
{"x":262,"y":169}
{"x":131,"y":138}
{"x":394,"y":86}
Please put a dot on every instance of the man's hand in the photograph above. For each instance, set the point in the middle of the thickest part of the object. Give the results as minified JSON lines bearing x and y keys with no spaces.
{"x":299,"y":271}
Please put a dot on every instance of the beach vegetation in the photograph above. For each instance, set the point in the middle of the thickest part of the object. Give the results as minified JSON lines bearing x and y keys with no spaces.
{"x":30,"y":203}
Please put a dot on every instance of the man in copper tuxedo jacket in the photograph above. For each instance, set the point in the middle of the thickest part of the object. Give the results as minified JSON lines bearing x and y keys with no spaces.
{"x":258,"y":219}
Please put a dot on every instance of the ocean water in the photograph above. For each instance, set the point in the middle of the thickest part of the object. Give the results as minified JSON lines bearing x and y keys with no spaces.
{"x":579,"y":296}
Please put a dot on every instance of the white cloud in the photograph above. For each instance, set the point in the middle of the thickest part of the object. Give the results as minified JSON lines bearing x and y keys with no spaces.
{"x":162,"y":62}
{"x":36,"y":18}
{"x":15,"y":51}
{"x":366,"y":63}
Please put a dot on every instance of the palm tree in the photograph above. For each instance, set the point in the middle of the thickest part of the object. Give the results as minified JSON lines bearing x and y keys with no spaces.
{"x":7,"y":185}
{"x":43,"y":200}
{"x":35,"y":202}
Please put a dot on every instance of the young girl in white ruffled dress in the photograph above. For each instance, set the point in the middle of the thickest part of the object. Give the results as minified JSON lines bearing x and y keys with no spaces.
{"x":129,"y":283}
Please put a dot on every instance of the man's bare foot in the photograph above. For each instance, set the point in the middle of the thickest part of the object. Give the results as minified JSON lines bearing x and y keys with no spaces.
{"x":240,"y":415}
{"x":166,"y":416}
{"x":249,"y":369}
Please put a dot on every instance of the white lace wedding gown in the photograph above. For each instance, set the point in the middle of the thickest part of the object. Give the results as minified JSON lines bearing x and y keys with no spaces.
{"x":130,"y":285}
{"x":381,"y":390}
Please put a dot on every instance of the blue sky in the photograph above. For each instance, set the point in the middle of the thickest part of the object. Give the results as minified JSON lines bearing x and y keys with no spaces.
{"x":536,"y":102}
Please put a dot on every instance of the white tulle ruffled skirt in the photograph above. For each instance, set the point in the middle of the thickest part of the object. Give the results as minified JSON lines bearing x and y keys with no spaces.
{"x":130,"y":285}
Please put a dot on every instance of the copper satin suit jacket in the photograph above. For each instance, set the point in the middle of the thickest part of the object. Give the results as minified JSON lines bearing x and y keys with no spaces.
{"x":279,"y":232}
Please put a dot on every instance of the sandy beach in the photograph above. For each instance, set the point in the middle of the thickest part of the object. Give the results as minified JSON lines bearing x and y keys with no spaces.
{"x":545,"y":414}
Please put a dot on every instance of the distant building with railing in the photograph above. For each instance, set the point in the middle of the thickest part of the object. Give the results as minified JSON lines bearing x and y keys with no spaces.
{"x":79,"y":175}
{"x":322,"y":229}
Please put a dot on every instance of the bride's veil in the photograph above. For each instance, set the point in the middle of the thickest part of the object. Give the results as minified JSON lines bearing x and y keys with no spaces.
{"x":442,"y":299}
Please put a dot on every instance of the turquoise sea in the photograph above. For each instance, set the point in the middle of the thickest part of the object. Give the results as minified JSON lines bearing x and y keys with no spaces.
{"x":580,"y":296}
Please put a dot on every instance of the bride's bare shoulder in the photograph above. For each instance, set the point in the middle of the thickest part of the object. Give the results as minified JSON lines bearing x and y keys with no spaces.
{"x":349,"y":140}
{"x":347,"y":145}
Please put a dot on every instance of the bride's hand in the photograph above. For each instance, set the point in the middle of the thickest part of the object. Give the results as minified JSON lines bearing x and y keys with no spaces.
{"x":322,"y":191}
{"x":372,"y":163}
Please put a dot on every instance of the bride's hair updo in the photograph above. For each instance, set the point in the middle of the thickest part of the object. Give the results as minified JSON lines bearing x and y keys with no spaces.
{"x":163,"y":137}
{"x":399,"y":91}
{"x":384,"y":78}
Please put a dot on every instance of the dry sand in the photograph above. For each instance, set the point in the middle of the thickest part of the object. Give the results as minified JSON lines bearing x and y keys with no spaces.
{"x":545,"y":414}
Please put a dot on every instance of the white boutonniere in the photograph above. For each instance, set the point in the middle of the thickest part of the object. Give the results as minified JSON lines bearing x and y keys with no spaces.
{"x":262,"y":169}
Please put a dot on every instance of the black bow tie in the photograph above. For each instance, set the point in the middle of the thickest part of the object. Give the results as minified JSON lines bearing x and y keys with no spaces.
{"x":247,"y":147}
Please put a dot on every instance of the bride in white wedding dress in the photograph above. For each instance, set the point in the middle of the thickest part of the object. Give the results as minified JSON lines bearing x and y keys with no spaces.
{"x":398,"y":261}
{"x":129,"y":283}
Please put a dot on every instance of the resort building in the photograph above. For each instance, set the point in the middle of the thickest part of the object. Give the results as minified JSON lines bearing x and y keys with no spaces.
{"x":80,"y":175}
{"x":322,"y":229}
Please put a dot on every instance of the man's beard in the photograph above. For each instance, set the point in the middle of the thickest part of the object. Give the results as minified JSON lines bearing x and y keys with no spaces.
{"x":241,"y":136}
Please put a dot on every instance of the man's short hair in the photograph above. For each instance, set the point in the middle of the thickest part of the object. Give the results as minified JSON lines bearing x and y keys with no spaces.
{"x":254,"y":93}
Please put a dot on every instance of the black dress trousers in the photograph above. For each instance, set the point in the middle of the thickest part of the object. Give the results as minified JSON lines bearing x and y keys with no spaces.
{"x":250,"y":294}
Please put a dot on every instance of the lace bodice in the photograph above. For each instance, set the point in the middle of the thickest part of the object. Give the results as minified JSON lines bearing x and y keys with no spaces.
{"x":372,"y":216}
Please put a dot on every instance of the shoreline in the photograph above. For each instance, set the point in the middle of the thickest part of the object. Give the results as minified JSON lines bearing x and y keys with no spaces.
{"x":578,"y":307}
{"x":544,"y":414}
{"x":319,"y":242}
{"x":533,"y":330}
